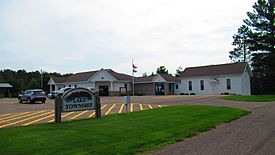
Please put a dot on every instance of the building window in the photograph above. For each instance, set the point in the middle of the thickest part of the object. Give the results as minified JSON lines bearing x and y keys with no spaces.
{"x":125,"y":86}
{"x":75,"y":86}
{"x":202,"y":84}
{"x":69,"y":85}
{"x":190,"y":85}
{"x":177,"y":86}
{"x":171,"y":87}
{"x":228,"y":84}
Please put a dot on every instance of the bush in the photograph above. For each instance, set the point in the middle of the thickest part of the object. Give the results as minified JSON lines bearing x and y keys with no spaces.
{"x":226,"y":93}
{"x":186,"y":93}
{"x":192,"y":93}
{"x":181,"y":93}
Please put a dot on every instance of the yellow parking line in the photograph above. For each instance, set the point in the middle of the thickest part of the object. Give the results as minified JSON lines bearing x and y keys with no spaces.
{"x":132,"y":107}
{"x":4,"y":115}
{"x":25,"y":119}
{"x":7,"y":120}
{"x":78,"y":114}
{"x":150,"y":106}
{"x":100,"y":108}
{"x":140,"y":106}
{"x":121,"y":108}
{"x":37,"y":120}
{"x":110,"y":109}
{"x":14,"y":115}
{"x":62,"y":116}
{"x":159,"y":106}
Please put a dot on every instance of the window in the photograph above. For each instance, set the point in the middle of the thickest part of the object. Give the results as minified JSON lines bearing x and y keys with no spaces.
{"x":122,"y":90}
{"x":171,"y":87}
{"x":125,"y":86}
{"x":190,"y":85}
{"x":69,"y":85}
{"x":177,"y":86}
{"x":75,"y":86}
{"x":228,"y":84}
{"x":202,"y":84}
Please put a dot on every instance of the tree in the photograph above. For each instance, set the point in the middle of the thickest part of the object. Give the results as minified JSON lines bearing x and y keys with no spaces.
{"x":261,"y":22}
{"x":241,"y":53}
{"x":162,"y":70}
{"x":178,"y":71}
{"x":144,"y":74}
{"x":260,"y":41}
{"x":152,"y":74}
{"x":34,"y":83}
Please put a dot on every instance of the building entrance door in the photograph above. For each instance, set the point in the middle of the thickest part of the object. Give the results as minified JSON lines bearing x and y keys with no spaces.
{"x":103,"y":91}
{"x":159,"y":88}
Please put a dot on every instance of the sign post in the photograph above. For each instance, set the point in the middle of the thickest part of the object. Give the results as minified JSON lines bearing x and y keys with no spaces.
{"x":58,"y":107}
{"x":97,"y":107}
{"x":126,"y":101}
{"x":77,"y":99}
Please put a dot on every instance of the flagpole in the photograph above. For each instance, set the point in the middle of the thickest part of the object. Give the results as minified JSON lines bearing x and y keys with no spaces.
{"x":133,"y":78}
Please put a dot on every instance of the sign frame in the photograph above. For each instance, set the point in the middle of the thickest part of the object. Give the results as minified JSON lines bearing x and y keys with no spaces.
{"x":78,"y":98}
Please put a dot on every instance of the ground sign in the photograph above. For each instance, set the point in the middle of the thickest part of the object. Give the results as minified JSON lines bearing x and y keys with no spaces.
{"x":76,"y":99}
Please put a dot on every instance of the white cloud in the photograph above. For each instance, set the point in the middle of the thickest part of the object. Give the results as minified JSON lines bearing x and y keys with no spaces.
{"x":77,"y":35}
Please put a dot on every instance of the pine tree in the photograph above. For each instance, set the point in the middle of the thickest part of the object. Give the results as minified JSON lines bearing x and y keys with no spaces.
{"x":162,"y":70}
{"x":178,"y":71}
{"x":259,"y":39}
{"x":241,"y":52}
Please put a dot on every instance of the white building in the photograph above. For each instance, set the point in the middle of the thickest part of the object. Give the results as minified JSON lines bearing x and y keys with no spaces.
{"x":233,"y":78}
{"x":105,"y":81}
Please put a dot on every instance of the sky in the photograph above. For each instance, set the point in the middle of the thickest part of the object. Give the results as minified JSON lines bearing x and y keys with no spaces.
{"x":70,"y":36}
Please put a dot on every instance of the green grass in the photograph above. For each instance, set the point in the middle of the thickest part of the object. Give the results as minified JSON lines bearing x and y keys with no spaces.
{"x":116,"y":134}
{"x":252,"y":98}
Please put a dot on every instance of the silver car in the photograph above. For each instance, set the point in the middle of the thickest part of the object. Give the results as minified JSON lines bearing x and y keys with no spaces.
{"x":53,"y":95}
{"x":32,"y":95}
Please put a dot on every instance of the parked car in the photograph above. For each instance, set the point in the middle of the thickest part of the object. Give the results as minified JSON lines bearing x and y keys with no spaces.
{"x":61,"y":91}
{"x":32,"y":95}
{"x":52,"y":95}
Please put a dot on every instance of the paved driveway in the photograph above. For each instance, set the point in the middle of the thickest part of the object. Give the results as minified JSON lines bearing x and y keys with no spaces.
{"x":252,"y":134}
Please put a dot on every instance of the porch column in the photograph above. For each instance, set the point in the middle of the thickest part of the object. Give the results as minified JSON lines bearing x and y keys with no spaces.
{"x":51,"y":88}
{"x":112,"y":86}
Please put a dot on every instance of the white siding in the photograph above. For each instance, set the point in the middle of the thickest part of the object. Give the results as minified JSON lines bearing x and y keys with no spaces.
{"x":246,"y":90}
{"x":159,"y":79}
{"x":177,"y":91}
{"x":236,"y":85}
{"x":117,"y":85}
{"x":102,"y":76}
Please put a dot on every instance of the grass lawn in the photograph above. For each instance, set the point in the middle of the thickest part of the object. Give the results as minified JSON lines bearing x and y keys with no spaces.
{"x":116,"y":134}
{"x":252,"y":98}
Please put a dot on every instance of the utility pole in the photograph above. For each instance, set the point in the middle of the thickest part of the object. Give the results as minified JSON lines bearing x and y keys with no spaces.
{"x":41,"y":78}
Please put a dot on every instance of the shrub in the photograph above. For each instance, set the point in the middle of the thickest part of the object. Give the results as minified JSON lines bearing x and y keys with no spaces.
{"x":192,"y":93}
{"x":226,"y":93}
{"x":186,"y":93}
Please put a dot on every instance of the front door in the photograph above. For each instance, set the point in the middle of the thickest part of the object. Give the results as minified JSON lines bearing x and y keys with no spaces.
{"x":103,"y":91}
{"x":159,"y":88}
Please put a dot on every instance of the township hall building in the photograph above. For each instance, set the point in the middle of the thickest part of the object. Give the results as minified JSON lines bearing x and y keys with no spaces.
{"x":232,"y":78}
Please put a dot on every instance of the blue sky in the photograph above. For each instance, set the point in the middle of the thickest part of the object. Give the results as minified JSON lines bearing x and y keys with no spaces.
{"x":70,"y":36}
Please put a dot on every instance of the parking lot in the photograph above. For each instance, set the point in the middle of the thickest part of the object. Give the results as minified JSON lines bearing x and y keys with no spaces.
{"x":13,"y":113}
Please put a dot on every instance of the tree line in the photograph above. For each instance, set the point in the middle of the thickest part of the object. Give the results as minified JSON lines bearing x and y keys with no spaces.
{"x":254,"y":43}
{"x":22,"y":80}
